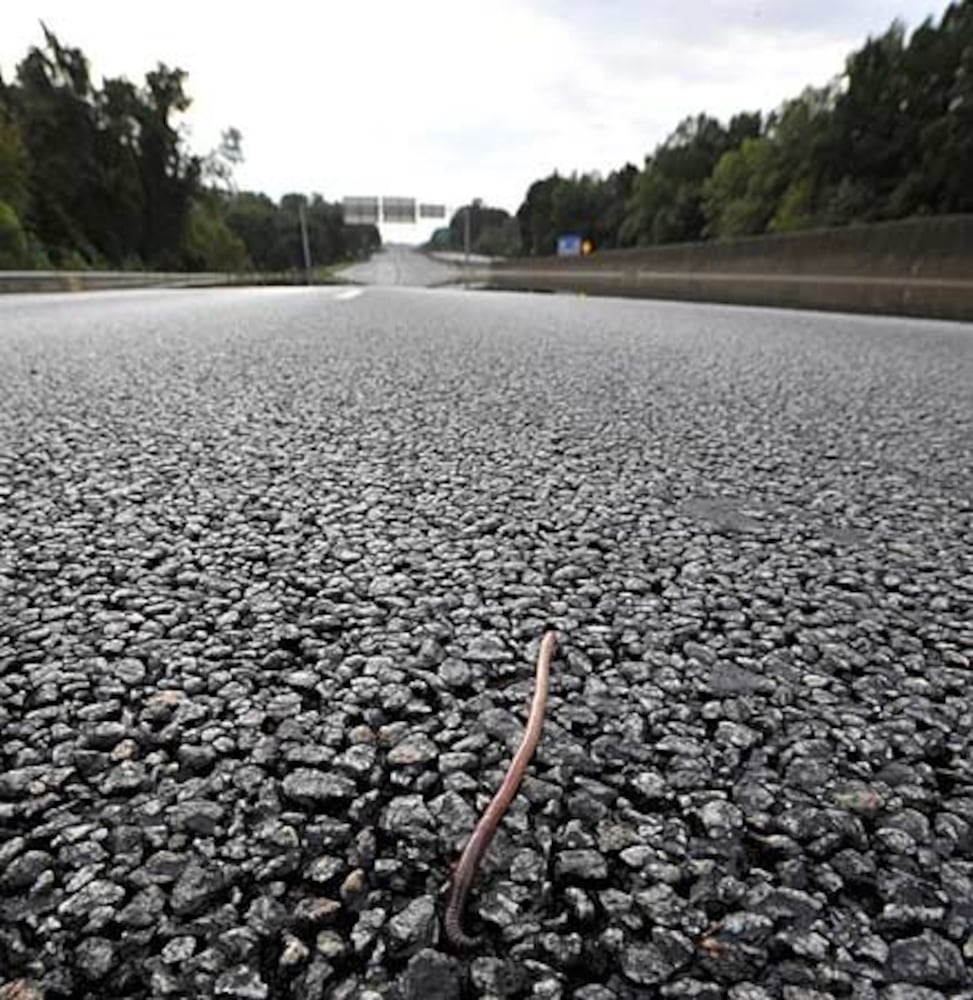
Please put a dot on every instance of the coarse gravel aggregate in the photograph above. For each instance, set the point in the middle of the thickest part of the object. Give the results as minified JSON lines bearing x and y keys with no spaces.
{"x":274,"y":568}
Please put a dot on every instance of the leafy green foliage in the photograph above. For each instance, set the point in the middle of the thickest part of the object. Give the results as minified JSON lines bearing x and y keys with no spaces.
{"x":271,"y":233}
{"x":502,"y":239}
{"x":211,"y":244}
{"x":101,"y":176}
{"x":768,"y":182}
{"x":586,"y":204}
{"x":493,"y":231}
{"x":482,"y":219}
{"x":14,"y":252}
{"x":740,"y":194}
{"x":536,"y":218}
{"x":14,"y":164}
{"x":893,"y":137}
{"x":667,"y":205}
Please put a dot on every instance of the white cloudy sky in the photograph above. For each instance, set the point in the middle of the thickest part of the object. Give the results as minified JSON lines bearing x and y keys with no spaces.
{"x":451,"y":99}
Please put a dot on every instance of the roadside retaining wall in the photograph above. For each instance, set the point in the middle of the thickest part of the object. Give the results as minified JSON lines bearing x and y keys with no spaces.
{"x":915,"y":267}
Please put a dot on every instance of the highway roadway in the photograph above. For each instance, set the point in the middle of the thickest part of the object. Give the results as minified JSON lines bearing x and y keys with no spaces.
{"x":400,"y":265}
{"x":274,"y":565}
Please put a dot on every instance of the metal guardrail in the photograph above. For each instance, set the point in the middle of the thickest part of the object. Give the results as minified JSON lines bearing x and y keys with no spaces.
{"x":79,"y":281}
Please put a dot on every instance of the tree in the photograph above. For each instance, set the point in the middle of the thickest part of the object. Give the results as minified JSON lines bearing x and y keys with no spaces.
{"x":951,"y":136}
{"x":538,"y":235}
{"x":252,"y":217}
{"x":271,"y":232}
{"x":481,"y":218}
{"x":14,"y":164}
{"x":14,"y":249}
{"x":109,"y":179}
{"x":441,"y":239}
{"x":741,"y":195}
{"x":770,"y":182}
{"x":867,"y":141}
{"x":798,"y":133}
{"x":119,"y":198}
{"x":588,"y":205}
{"x":211,"y":244}
{"x":579,"y":203}
{"x":892,"y":137}
{"x":620,"y":186}
{"x":219,"y":165}
{"x":51,"y":102}
{"x":103,"y":176}
{"x":500,"y":239}
{"x":938,"y":66}
{"x":667,"y":200}
{"x":170,"y":177}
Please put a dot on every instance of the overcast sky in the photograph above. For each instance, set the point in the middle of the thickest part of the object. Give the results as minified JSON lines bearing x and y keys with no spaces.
{"x":451,"y":99}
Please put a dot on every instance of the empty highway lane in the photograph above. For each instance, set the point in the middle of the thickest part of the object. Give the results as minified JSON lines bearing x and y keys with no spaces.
{"x":274,"y":567}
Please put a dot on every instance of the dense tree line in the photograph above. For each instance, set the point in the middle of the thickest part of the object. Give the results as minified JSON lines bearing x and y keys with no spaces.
{"x":492,"y":231}
{"x":892,"y":137}
{"x":101,"y":176}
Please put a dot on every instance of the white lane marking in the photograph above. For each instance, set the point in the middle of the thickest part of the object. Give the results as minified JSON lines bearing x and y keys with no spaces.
{"x":348,"y":294}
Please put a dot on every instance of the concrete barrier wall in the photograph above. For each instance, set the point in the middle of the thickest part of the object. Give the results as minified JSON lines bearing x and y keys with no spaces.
{"x":915,"y":267}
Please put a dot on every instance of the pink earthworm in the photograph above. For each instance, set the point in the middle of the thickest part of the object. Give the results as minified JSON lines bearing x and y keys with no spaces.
{"x":483,"y":833}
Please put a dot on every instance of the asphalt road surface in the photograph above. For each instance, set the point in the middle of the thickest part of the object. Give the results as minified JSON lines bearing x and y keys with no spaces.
{"x":274,"y":566}
{"x":401,"y":265}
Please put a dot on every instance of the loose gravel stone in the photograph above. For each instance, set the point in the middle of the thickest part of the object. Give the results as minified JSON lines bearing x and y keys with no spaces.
{"x":414,"y":926}
{"x":431,"y":975}
{"x":179,"y":949}
{"x":366,"y":928}
{"x":96,"y":957}
{"x":197,"y":816}
{"x":488,"y":649}
{"x":294,"y":951}
{"x":196,"y":889}
{"x":645,"y":965}
{"x":415,"y":749}
{"x":331,"y":944}
{"x":497,"y":977}
{"x":594,"y":991}
{"x":20,"y":989}
{"x":125,"y":779}
{"x":323,"y":870}
{"x":581,"y":865}
{"x":407,"y":816}
{"x":316,"y":910}
{"x":455,"y":673}
{"x":927,"y":960}
{"x":23,"y":871}
{"x":241,"y":983}
{"x":907,"y":991}
{"x":720,"y":817}
{"x":97,"y":893}
{"x":315,"y":788}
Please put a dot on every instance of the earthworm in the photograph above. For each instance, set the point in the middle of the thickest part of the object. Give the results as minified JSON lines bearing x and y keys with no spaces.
{"x":483,"y":833}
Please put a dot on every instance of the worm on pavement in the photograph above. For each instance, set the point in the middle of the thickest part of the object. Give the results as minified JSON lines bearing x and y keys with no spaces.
{"x":483,"y":833}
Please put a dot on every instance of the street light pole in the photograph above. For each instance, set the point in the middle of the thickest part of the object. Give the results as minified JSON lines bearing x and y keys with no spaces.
{"x":305,"y":244}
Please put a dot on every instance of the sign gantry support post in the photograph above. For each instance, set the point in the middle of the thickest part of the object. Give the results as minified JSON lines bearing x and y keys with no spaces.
{"x":305,"y":245}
